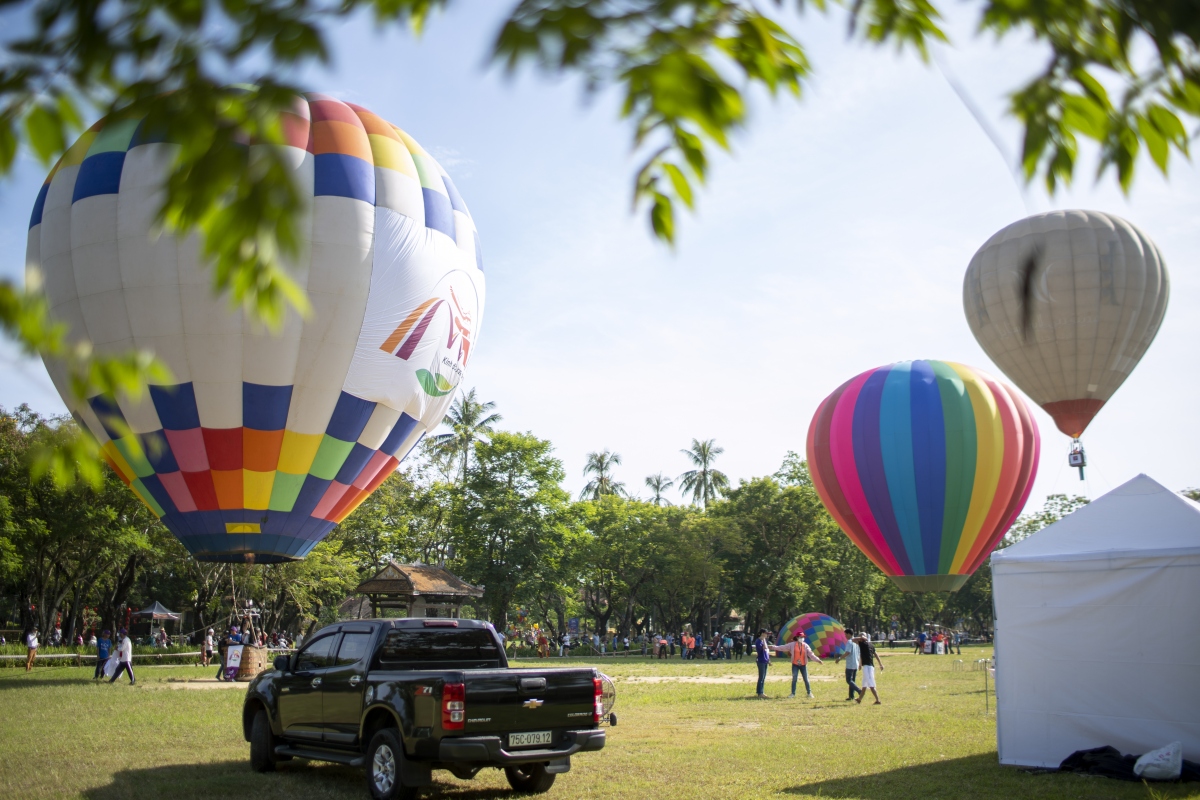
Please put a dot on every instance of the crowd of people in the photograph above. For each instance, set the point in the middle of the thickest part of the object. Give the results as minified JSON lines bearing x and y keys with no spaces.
{"x":727,"y":645}
{"x":116,"y":658}
{"x":861,"y":659}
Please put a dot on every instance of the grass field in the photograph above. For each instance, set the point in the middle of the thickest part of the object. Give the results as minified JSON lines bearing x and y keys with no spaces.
{"x":689,"y":729}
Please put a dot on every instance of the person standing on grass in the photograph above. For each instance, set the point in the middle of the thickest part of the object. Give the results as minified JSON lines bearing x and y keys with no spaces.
{"x":868,"y":658}
{"x":31,"y":646}
{"x":853,"y":664}
{"x":801,"y":654}
{"x":231,"y":637}
{"x":124,"y":657}
{"x":103,"y":648}
{"x":763,"y":660}
{"x":207,"y":648}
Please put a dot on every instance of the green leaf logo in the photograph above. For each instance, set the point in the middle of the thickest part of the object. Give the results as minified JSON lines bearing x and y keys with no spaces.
{"x":434,"y":385}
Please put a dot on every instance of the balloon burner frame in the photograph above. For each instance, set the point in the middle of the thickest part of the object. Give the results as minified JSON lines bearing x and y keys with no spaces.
{"x":1077,"y":457}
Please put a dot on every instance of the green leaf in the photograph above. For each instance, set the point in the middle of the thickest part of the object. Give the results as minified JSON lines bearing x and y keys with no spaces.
{"x":8,"y":145}
{"x":1085,"y":115}
{"x":44,"y":130}
{"x":1169,"y":126}
{"x":680,"y":182}
{"x":1156,"y":143}
{"x":68,"y":113}
{"x":662,"y":218}
{"x":1093,"y":87}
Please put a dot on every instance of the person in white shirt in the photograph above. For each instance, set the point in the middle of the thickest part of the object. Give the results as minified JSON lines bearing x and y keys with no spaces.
{"x":853,"y":658}
{"x":206,"y":655}
{"x":31,"y":643}
{"x":124,"y":657}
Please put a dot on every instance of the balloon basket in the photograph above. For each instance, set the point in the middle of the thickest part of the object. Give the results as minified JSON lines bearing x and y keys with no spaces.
{"x":254,"y":661}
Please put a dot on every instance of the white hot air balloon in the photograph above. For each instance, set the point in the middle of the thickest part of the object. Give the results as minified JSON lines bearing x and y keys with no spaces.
{"x":265,"y":441}
{"x":1066,"y":304}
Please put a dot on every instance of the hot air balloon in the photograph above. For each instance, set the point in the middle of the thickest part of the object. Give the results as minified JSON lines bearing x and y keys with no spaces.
{"x":824,"y":634}
{"x":265,"y":441}
{"x":924,"y":465}
{"x":1066,"y":304}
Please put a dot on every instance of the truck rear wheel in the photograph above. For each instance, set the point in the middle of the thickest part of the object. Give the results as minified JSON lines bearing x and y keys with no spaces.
{"x":385,"y":759}
{"x":531,"y":778}
{"x":262,"y":743}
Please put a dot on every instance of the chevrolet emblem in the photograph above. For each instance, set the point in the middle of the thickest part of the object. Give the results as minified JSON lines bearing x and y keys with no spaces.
{"x":534,"y":703}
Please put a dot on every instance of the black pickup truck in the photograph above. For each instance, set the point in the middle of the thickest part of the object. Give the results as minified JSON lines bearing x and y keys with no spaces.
{"x":403,"y":697}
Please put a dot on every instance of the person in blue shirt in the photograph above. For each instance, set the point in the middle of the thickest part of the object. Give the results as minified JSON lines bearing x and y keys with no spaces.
{"x":103,"y":646}
{"x":763,"y":653}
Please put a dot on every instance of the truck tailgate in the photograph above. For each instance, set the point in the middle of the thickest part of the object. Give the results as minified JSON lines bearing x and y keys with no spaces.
{"x":518,"y":701}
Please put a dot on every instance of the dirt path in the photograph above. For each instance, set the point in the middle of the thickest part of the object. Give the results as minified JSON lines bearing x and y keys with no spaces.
{"x":200,"y":683}
{"x":717,"y":679}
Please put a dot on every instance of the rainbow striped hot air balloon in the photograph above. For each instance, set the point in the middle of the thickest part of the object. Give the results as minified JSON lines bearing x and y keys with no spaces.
{"x":925,"y":465}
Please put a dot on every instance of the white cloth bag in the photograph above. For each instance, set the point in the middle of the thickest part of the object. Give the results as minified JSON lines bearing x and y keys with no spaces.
{"x":1163,"y":764}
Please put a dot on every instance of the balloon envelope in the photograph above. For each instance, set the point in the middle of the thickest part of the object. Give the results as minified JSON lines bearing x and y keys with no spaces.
{"x":824,"y":634}
{"x":1097,"y":289}
{"x":264,"y":441}
{"x":924,"y":465}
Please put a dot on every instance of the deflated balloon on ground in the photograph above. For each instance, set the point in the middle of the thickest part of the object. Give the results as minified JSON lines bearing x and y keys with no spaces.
{"x":824,"y":634}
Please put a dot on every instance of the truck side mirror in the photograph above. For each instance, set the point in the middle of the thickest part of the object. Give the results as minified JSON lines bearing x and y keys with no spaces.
{"x":282,"y":663}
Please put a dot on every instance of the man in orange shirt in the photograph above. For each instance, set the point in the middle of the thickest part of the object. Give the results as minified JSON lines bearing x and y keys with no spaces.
{"x":801,"y":654}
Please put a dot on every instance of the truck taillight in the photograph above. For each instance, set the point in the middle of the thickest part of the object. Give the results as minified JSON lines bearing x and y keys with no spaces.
{"x":598,"y":707}
{"x":454,"y":706}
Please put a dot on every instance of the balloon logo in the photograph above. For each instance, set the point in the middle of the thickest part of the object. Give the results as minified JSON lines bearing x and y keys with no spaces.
{"x":1066,"y":304}
{"x":265,"y":442}
{"x":824,"y":634}
{"x":924,"y":465}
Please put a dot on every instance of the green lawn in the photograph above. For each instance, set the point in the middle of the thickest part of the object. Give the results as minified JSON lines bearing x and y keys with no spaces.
{"x":691,"y":729}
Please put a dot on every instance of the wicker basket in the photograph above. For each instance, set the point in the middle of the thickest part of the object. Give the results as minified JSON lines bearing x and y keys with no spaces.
{"x":254,"y":661}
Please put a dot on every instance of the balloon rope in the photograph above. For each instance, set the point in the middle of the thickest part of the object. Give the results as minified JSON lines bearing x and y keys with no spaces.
{"x":985,"y":125}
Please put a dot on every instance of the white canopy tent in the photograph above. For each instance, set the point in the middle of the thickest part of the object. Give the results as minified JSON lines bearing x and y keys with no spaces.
{"x":1098,"y":630}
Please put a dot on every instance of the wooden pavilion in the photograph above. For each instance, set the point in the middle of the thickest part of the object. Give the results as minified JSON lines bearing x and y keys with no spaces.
{"x":422,"y":590}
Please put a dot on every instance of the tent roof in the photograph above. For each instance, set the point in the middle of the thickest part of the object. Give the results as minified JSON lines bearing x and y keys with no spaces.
{"x":1141,"y":517}
{"x":155,"y":610}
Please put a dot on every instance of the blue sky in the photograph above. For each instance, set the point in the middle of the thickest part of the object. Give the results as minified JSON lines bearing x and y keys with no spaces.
{"x":833,"y":240}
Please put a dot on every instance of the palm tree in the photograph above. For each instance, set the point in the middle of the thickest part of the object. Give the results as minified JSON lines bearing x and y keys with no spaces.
{"x":704,"y":482}
{"x":601,"y":464}
{"x":469,"y":421}
{"x":658,"y":484}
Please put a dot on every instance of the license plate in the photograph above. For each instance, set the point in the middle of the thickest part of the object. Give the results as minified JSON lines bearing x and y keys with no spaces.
{"x":530,"y":739}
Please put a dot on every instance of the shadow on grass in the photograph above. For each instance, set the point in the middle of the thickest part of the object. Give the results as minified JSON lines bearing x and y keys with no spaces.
{"x":294,"y":780}
{"x":979,"y":777}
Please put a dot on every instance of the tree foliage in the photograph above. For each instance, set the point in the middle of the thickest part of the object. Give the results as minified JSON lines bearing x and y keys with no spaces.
{"x":599,"y":466}
{"x":705,"y":482}
{"x":205,"y":74}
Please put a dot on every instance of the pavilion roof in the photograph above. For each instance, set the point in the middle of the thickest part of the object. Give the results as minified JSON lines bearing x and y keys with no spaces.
{"x":416,"y":580}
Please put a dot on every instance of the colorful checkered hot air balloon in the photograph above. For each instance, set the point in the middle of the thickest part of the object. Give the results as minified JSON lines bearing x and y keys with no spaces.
{"x":924,"y":465}
{"x":824,"y":634}
{"x":265,"y":441}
